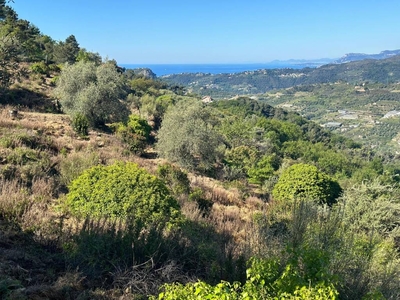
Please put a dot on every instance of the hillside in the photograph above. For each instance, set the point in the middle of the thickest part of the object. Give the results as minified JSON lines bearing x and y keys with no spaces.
{"x":364,"y":112}
{"x":117,"y":185}
{"x":41,"y":155}
{"x":261,"y":81}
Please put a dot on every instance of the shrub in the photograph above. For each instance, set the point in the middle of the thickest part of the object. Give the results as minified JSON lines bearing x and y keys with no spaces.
{"x":305,"y":182}
{"x":177,"y":180}
{"x":122,"y":190}
{"x":40,"y":68}
{"x":265,"y":280}
{"x":53,"y":81}
{"x":136,"y":133}
{"x":241,"y":158}
{"x":264,"y":169}
{"x":14,"y":200}
{"x":203,"y":204}
{"x":80,"y":124}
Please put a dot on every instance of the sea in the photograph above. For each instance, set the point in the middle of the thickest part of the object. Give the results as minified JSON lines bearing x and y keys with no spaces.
{"x":168,"y":69}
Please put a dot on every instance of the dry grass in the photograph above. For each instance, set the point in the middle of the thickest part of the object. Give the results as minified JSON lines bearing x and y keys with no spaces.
{"x":14,"y":200}
{"x":230,"y":215}
{"x":29,"y":208}
{"x":52,"y":124}
{"x":146,"y":278}
{"x":215,"y":192}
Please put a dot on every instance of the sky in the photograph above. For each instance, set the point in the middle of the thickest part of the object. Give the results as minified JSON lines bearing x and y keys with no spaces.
{"x":218,"y":31}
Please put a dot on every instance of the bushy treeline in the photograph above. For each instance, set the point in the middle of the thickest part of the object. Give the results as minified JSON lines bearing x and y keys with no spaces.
{"x":34,"y":46}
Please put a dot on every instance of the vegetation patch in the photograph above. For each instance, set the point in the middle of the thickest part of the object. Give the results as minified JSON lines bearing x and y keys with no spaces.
{"x":122,"y":190}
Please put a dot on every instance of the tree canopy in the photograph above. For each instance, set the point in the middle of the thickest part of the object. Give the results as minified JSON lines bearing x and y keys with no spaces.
{"x":95,"y":91}
{"x":187,"y":136}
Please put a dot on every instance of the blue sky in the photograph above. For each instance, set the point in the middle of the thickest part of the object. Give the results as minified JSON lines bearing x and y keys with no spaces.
{"x":218,"y":31}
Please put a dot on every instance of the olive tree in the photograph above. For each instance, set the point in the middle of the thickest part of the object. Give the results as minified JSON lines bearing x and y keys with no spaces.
{"x":187,"y":136}
{"x":95,"y":91}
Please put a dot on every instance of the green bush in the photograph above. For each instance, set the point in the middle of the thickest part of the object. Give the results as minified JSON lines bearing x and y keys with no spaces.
{"x":40,"y":68}
{"x":80,"y":124}
{"x":305,"y":182}
{"x":122,"y":190}
{"x":241,"y":159}
{"x":264,"y":169}
{"x":136,"y":133}
{"x":265,"y":280}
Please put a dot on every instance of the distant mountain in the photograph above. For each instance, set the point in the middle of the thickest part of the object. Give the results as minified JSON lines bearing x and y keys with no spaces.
{"x":361,"y":56}
{"x":260,"y":81}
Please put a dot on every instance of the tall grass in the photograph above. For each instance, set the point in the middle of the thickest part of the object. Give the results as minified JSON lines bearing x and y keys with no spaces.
{"x":14,"y":200}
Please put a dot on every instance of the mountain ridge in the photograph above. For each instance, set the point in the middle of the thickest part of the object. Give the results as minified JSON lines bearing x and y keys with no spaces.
{"x":349,"y":57}
{"x":261,"y":81}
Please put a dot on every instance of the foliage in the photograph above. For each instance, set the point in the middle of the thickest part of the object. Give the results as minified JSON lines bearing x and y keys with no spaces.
{"x":369,"y":171}
{"x":155,"y":107}
{"x":176,"y":179}
{"x":40,"y":68}
{"x":7,"y":285}
{"x":2,"y":9}
{"x":296,"y":250}
{"x":237,"y":130}
{"x":305,"y":182}
{"x":93,"y":91}
{"x":28,"y":35}
{"x":264,"y":281}
{"x":188,"y":138}
{"x":319,"y":246}
{"x":80,"y":124}
{"x":9,"y":67}
{"x":136,"y":133}
{"x":26,"y":155}
{"x":264,"y":169}
{"x":328,"y":160}
{"x":86,"y":56}
{"x":239,"y":161}
{"x":142,"y":85}
{"x":67,"y":51}
{"x":121,"y":190}
{"x":204,"y":204}
{"x":372,"y":206}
